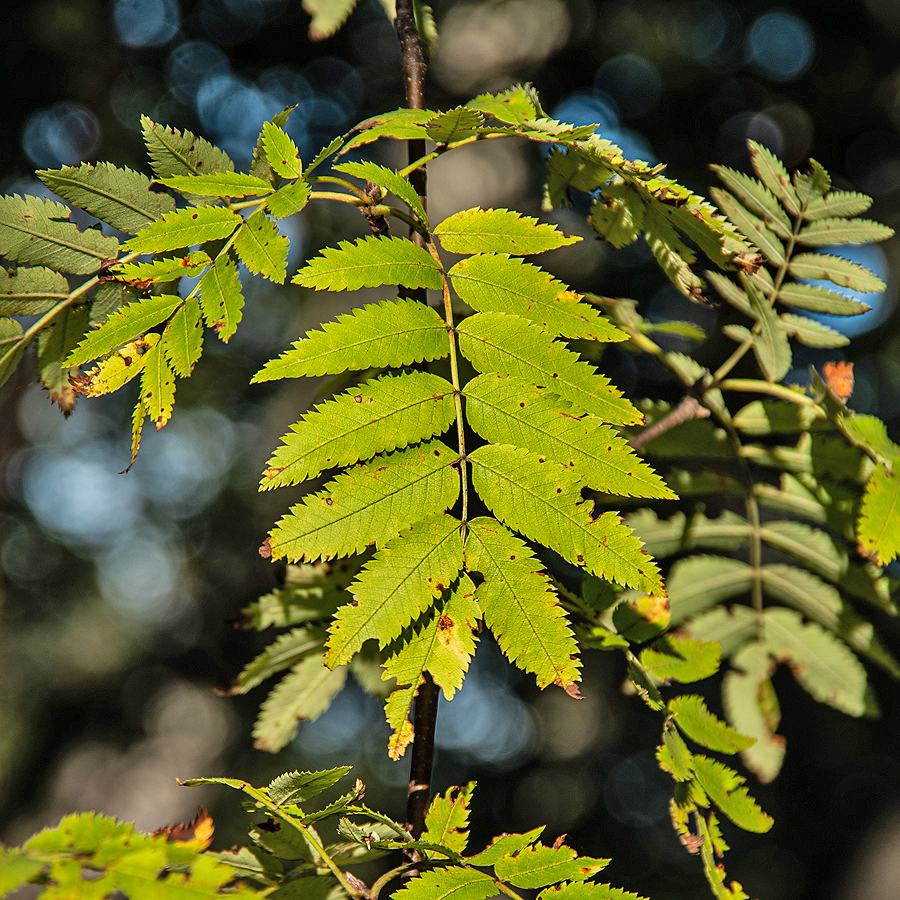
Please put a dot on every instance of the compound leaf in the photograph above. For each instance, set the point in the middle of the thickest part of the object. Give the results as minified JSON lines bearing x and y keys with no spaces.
{"x":504,"y":344}
{"x":498,"y":231}
{"x":393,"y":332}
{"x":494,"y":283}
{"x":370,"y":503}
{"x":120,"y":197}
{"x":124,"y":325}
{"x":397,"y":585}
{"x":261,"y":248}
{"x":520,"y":605}
{"x":371,"y":262}
{"x":508,"y":410}
{"x":382,"y":414}
{"x":542,"y":500}
{"x":184,"y":228}
{"x":38,"y":232}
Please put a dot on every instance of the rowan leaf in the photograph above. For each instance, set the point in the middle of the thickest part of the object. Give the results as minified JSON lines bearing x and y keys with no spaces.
{"x":289,"y":199}
{"x":811,"y":333}
{"x":516,"y":105}
{"x":368,"y":504}
{"x":673,"y":756}
{"x":497,"y":343}
{"x":665,"y":537}
{"x":327,"y":16}
{"x":504,"y":845}
{"x":823,"y":232}
{"x":494,"y":283}
{"x":878,"y":527}
{"x":294,"y":788}
{"x":396,"y":333}
{"x":726,"y":789}
{"x":221,"y":299}
{"x":694,"y":718}
{"x":382,"y":414}
{"x":157,"y":386}
{"x":184,"y":228}
{"x":218,"y":184}
{"x":757,"y":199}
{"x":520,"y":605}
{"x":499,"y":231}
{"x":173,"y":152}
{"x":683,"y":659}
{"x":182,"y":341}
{"x":774,"y":176}
{"x":54,"y":344}
{"x":401,"y":124}
{"x":285,"y":651}
{"x":449,"y":883}
{"x":302,"y":695}
{"x":619,"y":216}
{"x":674,"y":257}
{"x":261,"y":248}
{"x":752,"y":707}
{"x":117,"y":369}
{"x":821,"y":663}
{"x":538,"y":866}
{"x":30,"y":291}
{"x":123,"y":326}
{"x":281,"y":151}
{"x":397,"y":585}
{"x":839,"y":204}
{"x":543,"y":502}
{"x":770,"y":346}
{"x":163,"y":269}
{"x":752,"y":226}
{"x":697,"y":582}
{"x":456,"y":124}
{"x":38,"y":232}
{"x":120,"y":197}
{"x":391,"y":181}
{"x":586,"y":890}
{"x":836,"y":269}
{"x":820,"y":300}
{"x":508,"y":410}
{"x":371,"y":262}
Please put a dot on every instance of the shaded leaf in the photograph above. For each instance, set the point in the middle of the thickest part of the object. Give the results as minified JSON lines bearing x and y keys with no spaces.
{"x":10,"y":353}
{"x":700,"y":725}
{"x":841,"y":204}
{"x":731,"y":627}
{"x":663,"y":537}
{"x":286,"y":650}
{"x":820,"y":300}
{"x":836,"y":269}
{"x":757,"y":198}
{"x":726,"y":789}
{"x":30,"y":291}
{"x":752,"y":226}
{"x":774,"y":176}
{"x":822,"y":232}
{"x":812,"y":333}
{"x":54,"y":344}
{"x":697,"y":582}
{"x":683,"y":659}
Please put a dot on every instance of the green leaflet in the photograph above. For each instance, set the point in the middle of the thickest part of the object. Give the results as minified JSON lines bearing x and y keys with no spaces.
{"x":30,"y":291}
{"x":816,"y":549}
{"x":697,"y":582}
{"x":586,"y":890}
{"x":281,"y":151}
{"x":456,"y":124}
{"x":700,"y":725}
{"x":812,"y":333}
{"x":447,"y":820}
{"x":383,"y":414}
{"x":327,"y":16}
{"x":449,"y":883}
{"x":841,"y":204}
{"x":285,"y":651}
{"x":10,"y":354}
{"x":726,"y":789}
{"x":164,"y":269}
{"x":752,"y":707}
{"x":508,"y":410}
{"x":673,"y":756}
{"x":504,"y":845}
{"x":397,"y":585}
{"x":774,"y":176}
{"x":401,"y":124}
{"x":288,"y":199}
{"x":495,"y":283}
{"x":820,"y":300}
{"x":618,"y":216}
{"x":157,"y":386}
{"x":392,"y":332}
{"x":38,"y":232}
{"x":836,"y":269}
{"x":673,"y":658}
{"x":516,"y":106}
{"x":54,"y":344}
{"x":391,"y":181}
{"x":261,"y":248}
{"x":823,"y":666}
{"x":520,"y":606}
{"x":498,"y":231}
{"x":493,"y":342}
{"x":173,"y":152}
{"x":769,"y":417}
{"x":117,"y":369}
{"x":539,"y":866}
{"x":220,"y":297}
{"x":752,"y":226}
{"x":822,"y":232}
{"x":123,"y":326}
{"x":182,"y":341}
{"x":443,"y":646}
{"x":870,"y":434}
{"x":294,"y":788}
{"x":120,"y":197}
{"x":369,"y":504}
{"x":219,"y":184}
{"x":757,"y":198}
{"x":184,"y":228}
{"x":771,"y":345}
{"x":878,"y":528}
{"x":667,"y":537}
{"x":543,"y":502}
{"x":261,"y":166}
{"x":303,"y":694}
{"x":674,"y":257}
{"x":371,"y":262}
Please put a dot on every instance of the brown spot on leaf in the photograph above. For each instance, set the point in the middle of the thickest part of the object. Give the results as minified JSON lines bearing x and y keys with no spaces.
{"x":265,"y":550}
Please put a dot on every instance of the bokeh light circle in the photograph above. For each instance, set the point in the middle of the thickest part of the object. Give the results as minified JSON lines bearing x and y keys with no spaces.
{"x":632,"y":81}
{"x":780,"y":45}
{"x":62,"y":135}
{"x":146,"y":23}
{"x":190,"y":64}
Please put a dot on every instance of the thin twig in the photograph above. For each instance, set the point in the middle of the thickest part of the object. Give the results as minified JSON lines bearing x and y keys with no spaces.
{"x":689,"y":408}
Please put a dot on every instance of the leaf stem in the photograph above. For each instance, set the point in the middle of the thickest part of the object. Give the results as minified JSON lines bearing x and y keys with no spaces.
{"x":753,"y":386}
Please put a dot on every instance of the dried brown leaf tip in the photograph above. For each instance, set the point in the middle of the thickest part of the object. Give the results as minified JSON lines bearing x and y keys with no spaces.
{"x":198,"y":832}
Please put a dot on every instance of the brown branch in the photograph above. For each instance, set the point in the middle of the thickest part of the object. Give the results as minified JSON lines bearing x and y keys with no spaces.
{"x":689,"y":408}
{"x":424,"y":722}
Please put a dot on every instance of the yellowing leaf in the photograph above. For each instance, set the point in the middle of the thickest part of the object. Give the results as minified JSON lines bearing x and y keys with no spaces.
{"x":157,"y":386}
{"x":498,"y":231}
{"x":878,"y":528}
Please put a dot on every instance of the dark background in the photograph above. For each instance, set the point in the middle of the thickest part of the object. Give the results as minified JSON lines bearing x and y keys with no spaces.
{"x":115,"y":591}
